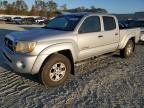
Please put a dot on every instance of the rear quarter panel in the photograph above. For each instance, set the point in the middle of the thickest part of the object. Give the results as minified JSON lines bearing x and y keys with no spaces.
{"x":126,"y":34}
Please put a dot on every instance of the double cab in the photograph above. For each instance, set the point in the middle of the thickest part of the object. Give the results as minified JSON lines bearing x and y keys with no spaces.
{"x":52,"y":51}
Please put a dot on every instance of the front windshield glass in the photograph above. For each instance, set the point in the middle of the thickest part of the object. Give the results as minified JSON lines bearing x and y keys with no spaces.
{"x":66,"y":23}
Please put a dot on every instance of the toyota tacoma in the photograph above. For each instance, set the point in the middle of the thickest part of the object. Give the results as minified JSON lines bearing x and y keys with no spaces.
{"x":53,"y":50}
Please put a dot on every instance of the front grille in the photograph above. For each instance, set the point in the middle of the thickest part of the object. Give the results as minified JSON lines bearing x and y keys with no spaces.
{"x":9,"y":43}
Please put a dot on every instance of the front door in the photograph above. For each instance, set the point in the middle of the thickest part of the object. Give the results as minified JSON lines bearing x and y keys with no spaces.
{"x":90,"y":37}
{"x":110,"y":33}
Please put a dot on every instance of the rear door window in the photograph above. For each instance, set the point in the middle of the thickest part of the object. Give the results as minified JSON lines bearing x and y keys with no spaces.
{"x":109,"y":23}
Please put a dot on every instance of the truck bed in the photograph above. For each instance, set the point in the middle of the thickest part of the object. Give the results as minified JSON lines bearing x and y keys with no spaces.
{"x":130,"y":31}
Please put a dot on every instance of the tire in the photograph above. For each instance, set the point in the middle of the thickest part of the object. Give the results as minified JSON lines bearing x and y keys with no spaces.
{"x":128,"y":50}
{"x":55,"y":70}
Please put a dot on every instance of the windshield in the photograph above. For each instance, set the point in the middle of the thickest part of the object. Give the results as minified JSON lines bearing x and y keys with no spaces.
{"x":66,"y":23}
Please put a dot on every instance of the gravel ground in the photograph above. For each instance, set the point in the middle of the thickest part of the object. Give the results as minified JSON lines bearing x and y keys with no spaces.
{"x":105,"y":82}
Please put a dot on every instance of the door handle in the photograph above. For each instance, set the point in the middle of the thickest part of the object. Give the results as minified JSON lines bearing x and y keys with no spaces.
{"x":100,"y":36}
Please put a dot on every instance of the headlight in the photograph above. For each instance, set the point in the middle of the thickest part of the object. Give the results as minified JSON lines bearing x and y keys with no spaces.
{"x":25,"y":47}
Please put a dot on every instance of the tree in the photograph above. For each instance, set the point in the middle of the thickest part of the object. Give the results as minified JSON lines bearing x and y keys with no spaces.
{"x":9,"y":10}
{"x":33,"y":11}
{"x":100,"y":10}
{"x":3,"y":4}
{"x":20,"y":7}
{"x":52,"y":6}
{"x":39,"y":4}
{"x":63,"y":7}
{"x":43,"y":12}
{"x":93,"y":9}
{"x":41,"y":8}
{"x":78,"y":9}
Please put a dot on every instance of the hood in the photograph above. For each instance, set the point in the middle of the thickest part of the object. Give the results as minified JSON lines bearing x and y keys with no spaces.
{"x":37,"y":34}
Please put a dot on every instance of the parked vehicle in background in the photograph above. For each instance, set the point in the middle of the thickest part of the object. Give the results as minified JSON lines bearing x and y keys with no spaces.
{"x":39,"y":20}
{"x":123,"y":24}
{"x":140,"y":24}
{"x":53,"y":50}
{"x":28,"y":20}
{"x":1,"y":19}
{"x":136,"y":23}
{"x":17,"y":20}
{"x":133,"y":24}
{"x":8,"y":20}
{"x":46,"y":21}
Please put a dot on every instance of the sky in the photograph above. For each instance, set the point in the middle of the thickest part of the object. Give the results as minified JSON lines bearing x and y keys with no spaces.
{"x":112,"y":6}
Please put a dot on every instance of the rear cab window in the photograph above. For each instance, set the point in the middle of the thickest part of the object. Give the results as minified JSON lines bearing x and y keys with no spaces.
{"x":109,"y":23}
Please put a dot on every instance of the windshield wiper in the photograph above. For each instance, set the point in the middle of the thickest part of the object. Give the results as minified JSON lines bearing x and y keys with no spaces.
{"x":45,"y":27}
{"x":55,"y":28}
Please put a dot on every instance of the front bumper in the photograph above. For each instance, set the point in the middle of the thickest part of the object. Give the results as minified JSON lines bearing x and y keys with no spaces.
{"x":19,"y":62}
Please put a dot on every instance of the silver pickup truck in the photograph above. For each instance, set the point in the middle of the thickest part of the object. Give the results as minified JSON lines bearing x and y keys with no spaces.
{"x":53,"y":50}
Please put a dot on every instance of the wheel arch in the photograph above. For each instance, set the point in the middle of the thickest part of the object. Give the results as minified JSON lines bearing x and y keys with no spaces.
{"x":125,"y":53}
{"x":124,"y":42}
{"x":64,"y":49}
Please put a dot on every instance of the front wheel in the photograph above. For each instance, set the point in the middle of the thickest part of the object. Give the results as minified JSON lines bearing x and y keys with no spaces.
{"x":128,"y":50}
{"x":55,"y":70}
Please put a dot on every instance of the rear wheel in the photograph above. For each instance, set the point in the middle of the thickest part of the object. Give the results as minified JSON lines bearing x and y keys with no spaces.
{"x":128,"y":50}
{"x":55,"y":70}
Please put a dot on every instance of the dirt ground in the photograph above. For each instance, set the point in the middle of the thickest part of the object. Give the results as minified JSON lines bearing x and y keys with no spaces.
{"x":105,"y":82}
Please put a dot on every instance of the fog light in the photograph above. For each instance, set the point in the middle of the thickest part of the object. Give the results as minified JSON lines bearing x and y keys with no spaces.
{"x":20,"y":64}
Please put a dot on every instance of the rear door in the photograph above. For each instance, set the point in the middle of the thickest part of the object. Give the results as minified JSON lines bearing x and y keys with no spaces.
{"x":110,"y":33}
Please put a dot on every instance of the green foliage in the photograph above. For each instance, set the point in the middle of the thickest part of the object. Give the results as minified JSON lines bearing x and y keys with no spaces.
{"x":33,"y":11}
{"x":51,"y":5}
{"x":19,"y":7}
